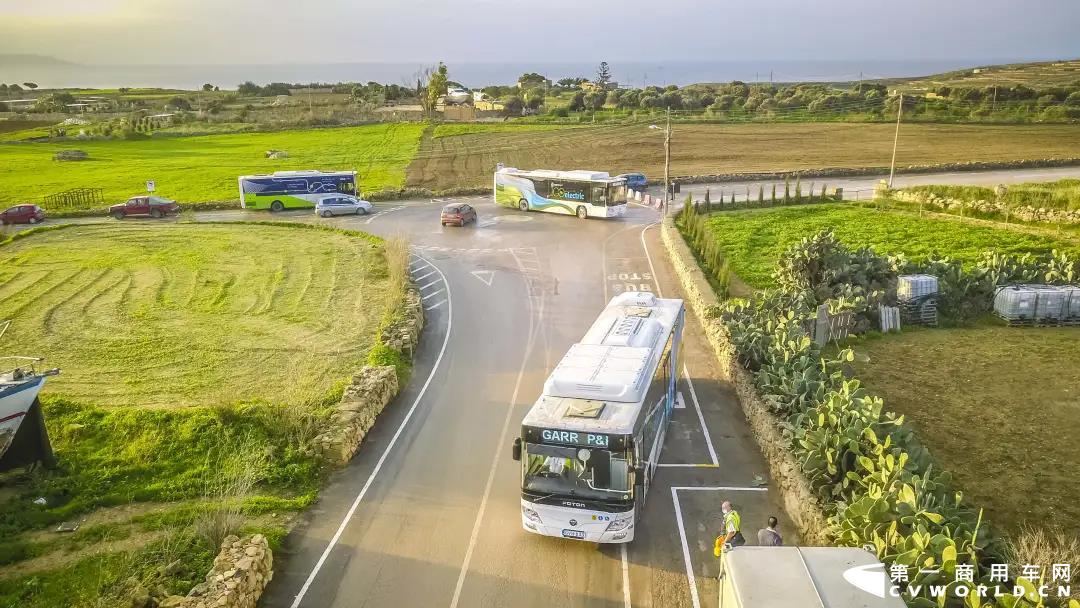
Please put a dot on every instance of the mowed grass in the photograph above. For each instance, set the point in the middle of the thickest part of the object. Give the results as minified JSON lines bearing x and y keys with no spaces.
{"x":999,"y":407}
{"x":172,"y":315}
{"x":752,"y":240}
{"x":469,"y":158}
{"x":205,"y":168}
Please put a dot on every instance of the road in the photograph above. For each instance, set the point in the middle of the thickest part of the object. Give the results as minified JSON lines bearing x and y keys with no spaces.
{"x":863,"y":187}
{"x":427,"y":513}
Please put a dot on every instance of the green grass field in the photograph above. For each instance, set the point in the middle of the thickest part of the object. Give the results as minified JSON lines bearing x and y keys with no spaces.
{"x":198,"y":362}
{"x":452,"y":130}
{"x":466,"y":155}
{"x":1037,"y":75}
{"x":998,"y":407}
{"x":1062,"y":194}
{"x":186,"y":314}
{"x":205,"y":168}
{"x":753,"y":240}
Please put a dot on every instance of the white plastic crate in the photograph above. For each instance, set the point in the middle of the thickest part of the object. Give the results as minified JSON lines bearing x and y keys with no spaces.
{"x":1033,"y":303}
{"x":1071,"y":307}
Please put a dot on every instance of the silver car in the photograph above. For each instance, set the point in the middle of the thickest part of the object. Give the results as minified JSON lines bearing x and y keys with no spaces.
{"x":330,"y":205}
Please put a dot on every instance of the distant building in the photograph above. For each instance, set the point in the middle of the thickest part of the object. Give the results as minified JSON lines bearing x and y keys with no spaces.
{"x":160,"y":121}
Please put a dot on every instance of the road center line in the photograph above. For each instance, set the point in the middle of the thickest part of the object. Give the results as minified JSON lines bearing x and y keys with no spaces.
{"x":386,"y":452}
{"x":534,"y":326}
{"x":625,"y":576}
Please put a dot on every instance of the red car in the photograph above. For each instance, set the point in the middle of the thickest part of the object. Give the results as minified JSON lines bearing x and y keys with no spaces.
{"x":22,"y":214}
{"x":154,"y":206}
{"x":457,"y":213}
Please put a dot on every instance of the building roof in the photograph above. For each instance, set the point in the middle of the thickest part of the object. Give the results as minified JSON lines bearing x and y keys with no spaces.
{"x":601,"y":382}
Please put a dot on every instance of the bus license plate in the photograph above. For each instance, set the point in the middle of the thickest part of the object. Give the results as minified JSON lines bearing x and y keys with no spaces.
{"x":573,"y":533}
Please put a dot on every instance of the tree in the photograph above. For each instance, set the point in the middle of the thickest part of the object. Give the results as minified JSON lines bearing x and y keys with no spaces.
{"x":534,"y":98}
{"x":530,"y":80}
{"x":603,"y":75}
{"x":436,"y":88}
{"x":248,"y":89}
{"x":179,"y":103}
{"x":208,"y":87}
{"x":30,"y":85}
{"x":570,"y":83}
{"x":513,"y":105}
{"x":577,"y":104}
{"x":595,"y":100}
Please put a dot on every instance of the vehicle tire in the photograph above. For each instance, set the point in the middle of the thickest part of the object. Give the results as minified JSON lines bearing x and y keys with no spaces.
{"x":118,"y":215}
{"x":443,"y":224}
{"x":155,"y":213}
{"x":582,"y":213}
{"x":33,"y":220}
{"x":523,"y":205}
{"x":277,"y":206}
{"x":326,"y":213}
{"x":361,"y":211}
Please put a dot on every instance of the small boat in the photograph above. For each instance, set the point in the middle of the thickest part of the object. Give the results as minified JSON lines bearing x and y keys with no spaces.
{"x":22,"y":425}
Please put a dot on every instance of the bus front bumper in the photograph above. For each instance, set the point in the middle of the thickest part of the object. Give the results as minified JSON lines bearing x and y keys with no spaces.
{"x":577,"y":523}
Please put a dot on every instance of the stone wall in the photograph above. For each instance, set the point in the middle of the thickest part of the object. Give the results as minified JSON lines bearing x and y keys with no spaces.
{"x":371,"y":389}
{"x":800,"y":502}
{"x":241,"y":570}
{"x":1024,"y":213}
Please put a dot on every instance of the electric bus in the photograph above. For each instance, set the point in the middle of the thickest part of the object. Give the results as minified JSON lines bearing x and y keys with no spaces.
{"x":581,"y":193}
{"x":590,"y":444}
{"x":293,"y":189}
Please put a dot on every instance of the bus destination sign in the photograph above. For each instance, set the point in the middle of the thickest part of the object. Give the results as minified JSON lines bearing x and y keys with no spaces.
{"x":590,"y":440}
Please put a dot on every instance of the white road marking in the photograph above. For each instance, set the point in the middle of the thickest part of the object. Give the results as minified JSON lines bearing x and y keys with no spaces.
{"x":701,"y":417}
{"x":625,"y":576}
{"x":382,"y":459}
{"x":649,"y":257}
{"x":682,"y":530}
{"x":421,"y":278}
{"x":534,"y":325}
{"x":485,"y":276}
{"x":680,"y":404}
{"x":435,"y":305}
{"x":434,"y":293}
{"x":435,"y":282}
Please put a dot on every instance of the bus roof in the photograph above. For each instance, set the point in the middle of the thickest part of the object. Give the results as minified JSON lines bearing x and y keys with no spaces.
{"x":575,"y":175}
{"x":601,"y":382}
{"x":302,"y":173}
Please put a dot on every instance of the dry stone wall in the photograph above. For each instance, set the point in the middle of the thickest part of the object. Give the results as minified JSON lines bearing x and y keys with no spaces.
{"x":1024,"y":213}
{"x":800,"y":502}
{"x":242,"y":568}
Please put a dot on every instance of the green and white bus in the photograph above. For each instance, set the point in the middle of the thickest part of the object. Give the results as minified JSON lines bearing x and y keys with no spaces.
{"x":293,"y":189}
{"x":581,"y":193}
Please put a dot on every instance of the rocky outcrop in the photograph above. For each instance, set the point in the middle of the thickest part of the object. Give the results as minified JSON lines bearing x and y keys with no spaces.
{"x":1024,"y":213}
{"x":241,"y":570}
{"x":800,"y":502}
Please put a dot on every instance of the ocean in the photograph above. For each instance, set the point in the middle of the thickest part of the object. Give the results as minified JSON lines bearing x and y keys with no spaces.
{"x":473,"y":74}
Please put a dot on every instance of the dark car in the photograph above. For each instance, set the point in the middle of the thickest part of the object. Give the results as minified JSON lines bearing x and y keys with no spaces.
{"x":153,"y":206}
{"x":458,"y":214}
{"x":22,"y":214}
{"x":635,"y":181}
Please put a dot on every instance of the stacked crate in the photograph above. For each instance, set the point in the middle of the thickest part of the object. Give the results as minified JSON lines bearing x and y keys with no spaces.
{"x":1038,"y":304}
{"x":916,"y":296}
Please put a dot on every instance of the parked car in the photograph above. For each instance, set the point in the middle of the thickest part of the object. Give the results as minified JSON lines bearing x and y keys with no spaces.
{"x":330,"y":205}
{"x":458,"y":214}
{"x":154,"y":206}
{"x":22,"y":214}
{"x":635,"y":181}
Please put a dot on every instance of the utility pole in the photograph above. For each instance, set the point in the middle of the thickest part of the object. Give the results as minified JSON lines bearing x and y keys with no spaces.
{"x":993,"y":104}
{"x":896,"y":138}
{"x":667,"y":163}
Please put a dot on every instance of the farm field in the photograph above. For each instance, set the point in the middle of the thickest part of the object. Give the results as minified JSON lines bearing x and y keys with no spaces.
{"x":186,"y":314}
{"x":205,"y":168}
{"x":977,"y":394}
{"x":198,"y":362}
{"x":752,"y":240}
{"x":468,"y":158}
{"x":1036,"y":75}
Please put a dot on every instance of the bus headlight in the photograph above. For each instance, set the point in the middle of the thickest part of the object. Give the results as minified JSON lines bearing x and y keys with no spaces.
{"x":531,"y":515}
{"x":620,"y":524}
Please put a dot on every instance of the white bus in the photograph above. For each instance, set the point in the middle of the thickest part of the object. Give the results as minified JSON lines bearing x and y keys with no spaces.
{"x":293,"y":189}
{"x":590,"y":444}
{"x":581,"y":193}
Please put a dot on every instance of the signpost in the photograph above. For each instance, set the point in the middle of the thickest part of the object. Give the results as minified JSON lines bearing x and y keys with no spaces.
{"x":150,"y":185}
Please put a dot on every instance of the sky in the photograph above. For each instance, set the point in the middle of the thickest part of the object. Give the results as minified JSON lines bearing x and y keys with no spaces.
{"x":319,"y":31}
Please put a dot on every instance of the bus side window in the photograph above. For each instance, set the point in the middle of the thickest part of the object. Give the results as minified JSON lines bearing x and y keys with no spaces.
{"x":542,"y":187}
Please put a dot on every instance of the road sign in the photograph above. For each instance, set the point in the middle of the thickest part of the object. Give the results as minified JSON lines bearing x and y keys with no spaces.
{"x":150,"y":185}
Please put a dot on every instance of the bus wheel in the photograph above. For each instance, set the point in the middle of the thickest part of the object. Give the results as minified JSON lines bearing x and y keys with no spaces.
{"x":277,"y":206}
{"x":582,"y":213}
{"x":523,"y":205}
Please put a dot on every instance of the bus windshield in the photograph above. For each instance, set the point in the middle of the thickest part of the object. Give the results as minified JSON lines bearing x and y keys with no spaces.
{"x":560,"y":470}
{"x":618,"y":195}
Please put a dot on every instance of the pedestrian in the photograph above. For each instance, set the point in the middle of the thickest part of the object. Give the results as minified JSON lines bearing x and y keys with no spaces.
{"x":732,"y":529}
{"x":769,"y":537}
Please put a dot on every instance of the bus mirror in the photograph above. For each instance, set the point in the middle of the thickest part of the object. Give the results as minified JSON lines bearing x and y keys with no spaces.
{"x":517,"y":449}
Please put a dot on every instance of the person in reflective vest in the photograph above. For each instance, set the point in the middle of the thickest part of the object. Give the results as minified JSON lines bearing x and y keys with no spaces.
{"x":732,"y":529}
